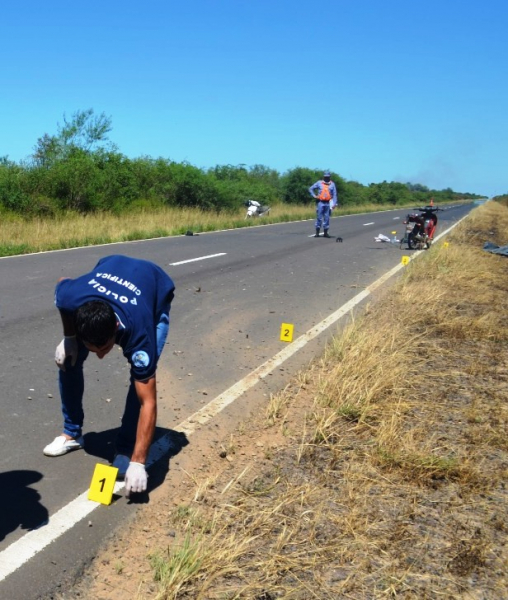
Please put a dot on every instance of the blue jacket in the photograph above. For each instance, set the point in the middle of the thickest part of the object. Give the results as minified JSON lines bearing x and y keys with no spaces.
{"x":316,"y":189}
{"x":138,"y":291}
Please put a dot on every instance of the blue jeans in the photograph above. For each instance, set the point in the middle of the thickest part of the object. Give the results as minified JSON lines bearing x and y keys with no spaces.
{"x":322,"y":215}
{"x":72,"y":387}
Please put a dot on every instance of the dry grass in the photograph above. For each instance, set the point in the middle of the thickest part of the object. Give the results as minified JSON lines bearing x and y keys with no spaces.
{"x":394,"y":483}
{"x":21,"y":236}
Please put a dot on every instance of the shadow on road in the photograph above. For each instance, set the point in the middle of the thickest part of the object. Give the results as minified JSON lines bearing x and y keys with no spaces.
{"x":20,"y":504}
{"x":102,"y":445}
{"x":158,"y":471}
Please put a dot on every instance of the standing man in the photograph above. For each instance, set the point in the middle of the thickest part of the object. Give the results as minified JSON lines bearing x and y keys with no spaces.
{"x":325,"y":193}
{"x":124,"y":301}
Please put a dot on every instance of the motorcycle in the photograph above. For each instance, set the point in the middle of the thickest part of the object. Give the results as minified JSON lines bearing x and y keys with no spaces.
{"x":255,"y":209}
{"x":420,"y":228}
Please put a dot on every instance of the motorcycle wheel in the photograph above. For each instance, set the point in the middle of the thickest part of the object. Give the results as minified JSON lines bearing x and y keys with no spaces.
{"x":412,"y":244}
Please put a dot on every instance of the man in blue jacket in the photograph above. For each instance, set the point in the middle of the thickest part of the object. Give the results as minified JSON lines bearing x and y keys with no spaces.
{"x":124,"y":301}
{"x":325,"y":193}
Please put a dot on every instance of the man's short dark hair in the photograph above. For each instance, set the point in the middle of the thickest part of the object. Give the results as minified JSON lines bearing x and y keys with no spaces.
{"x":95,"y":323}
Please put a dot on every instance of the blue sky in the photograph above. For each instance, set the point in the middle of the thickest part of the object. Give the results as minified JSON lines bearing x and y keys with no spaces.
{"x":375,"y":90}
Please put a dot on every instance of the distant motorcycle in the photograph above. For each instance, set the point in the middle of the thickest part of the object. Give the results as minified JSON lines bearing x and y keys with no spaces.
{"x":420,"y":228}
{"x":255,"y":209}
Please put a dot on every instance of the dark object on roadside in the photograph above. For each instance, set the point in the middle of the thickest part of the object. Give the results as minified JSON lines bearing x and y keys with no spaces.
{"x":265,"y":596}
{"x":495,"y":249}
{"x":191,"y":233}
{"x":339,"y":239}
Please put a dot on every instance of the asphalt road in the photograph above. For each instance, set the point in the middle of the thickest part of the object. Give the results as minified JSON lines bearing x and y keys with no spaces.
{"x":225,"y":321}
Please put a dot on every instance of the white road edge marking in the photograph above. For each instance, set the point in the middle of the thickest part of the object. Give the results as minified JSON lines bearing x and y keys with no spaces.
{"x":22,"y":550}
{"x":183,"y":262}
{"x":365,"y":224}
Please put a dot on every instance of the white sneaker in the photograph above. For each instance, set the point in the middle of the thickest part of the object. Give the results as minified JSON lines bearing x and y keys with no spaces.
{"x":61,"y":445}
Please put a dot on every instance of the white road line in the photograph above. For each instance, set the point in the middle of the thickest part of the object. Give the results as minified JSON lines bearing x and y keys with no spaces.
{"x":22,"y":550}
{"x":183,"y":262}
{"x":365,"y":224}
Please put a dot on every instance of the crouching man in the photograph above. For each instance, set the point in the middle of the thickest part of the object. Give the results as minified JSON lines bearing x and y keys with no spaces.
{"x":124,"y":301}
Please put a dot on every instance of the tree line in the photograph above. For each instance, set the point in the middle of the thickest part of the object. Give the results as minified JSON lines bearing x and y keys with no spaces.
{"x":79,"y":169}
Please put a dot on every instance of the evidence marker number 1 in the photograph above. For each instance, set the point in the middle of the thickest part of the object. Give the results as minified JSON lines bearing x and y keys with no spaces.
{"x":103,"y":483}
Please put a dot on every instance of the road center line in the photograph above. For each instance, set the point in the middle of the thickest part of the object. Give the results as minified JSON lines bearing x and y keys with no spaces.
{"x":365,"y":224}
{"x":22,"y":550}
{"x":183,"y":262}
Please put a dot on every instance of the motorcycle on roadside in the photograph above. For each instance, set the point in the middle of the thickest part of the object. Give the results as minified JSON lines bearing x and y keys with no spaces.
{"x":420,"y":228}
{"x":255,"y":209}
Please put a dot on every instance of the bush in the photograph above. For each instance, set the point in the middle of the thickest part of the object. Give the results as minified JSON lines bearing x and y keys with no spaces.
{"x":13,"y":193}
{"x":295,"y":185}
{"x":88,"y":181}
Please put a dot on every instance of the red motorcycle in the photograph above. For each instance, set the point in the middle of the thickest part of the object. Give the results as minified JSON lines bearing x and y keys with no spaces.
{"x":420,"y":228}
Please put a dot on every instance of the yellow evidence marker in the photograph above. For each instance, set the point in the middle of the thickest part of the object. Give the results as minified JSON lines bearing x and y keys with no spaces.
{"x":405,"y":260}
{"x":286,"y":332}
{"x":103,"y":483}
